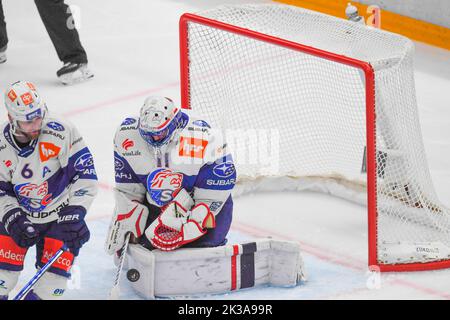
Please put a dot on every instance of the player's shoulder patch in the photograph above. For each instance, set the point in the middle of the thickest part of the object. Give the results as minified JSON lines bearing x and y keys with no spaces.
{"x":129,"y":123}
{"x":52,"y":134}
{"x":196,"y":125}
{"x":56,"y":126}
{"x":127,"y":139}
{"x":128,"y":129}
{"x":201,"y":123}
{"x":55,"y":129}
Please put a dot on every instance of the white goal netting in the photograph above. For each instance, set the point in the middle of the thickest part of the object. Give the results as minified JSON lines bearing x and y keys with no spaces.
{"x":299,"y":117}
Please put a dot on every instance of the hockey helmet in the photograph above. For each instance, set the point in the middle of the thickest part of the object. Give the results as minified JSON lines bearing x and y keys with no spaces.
{"x":158,"y":120}
{"x":24,"y":103}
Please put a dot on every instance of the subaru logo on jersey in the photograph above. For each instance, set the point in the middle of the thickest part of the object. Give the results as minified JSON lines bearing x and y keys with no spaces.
{"x":33,"y":115}
{"x":80,"y":193}
{"x":128,"y":121}
{"x":118,"y":164}
{"x":84,"y":161}
{"x":224,"y":170}
{"x":55,"y":126}
{"x":33,"y":197}
{"x":161,"y":185}
{"x":201,"y":123}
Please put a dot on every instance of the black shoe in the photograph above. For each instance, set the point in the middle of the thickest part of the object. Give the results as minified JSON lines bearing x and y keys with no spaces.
{"x":72,"y":73}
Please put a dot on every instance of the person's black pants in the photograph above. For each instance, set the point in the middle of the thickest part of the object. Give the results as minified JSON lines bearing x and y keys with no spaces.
{"x":3,"y":35}
{"x":57,"y":19}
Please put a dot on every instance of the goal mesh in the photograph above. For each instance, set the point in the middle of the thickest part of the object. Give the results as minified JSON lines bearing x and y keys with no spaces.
{"x":304,"y":114}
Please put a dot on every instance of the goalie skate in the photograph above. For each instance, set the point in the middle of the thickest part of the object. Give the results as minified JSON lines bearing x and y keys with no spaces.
{"x":72,"y":73}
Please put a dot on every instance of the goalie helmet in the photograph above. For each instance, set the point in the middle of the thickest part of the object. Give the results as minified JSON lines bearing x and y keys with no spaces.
{"x":159,"y":119}
{"x":23,"y":103}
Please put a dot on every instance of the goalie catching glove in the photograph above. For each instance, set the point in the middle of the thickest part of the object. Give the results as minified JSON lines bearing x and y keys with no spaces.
{"x":177,"y":226}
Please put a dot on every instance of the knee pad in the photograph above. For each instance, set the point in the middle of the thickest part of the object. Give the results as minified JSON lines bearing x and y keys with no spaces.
{"x":8,"y":280}
{"x":51,"y":286}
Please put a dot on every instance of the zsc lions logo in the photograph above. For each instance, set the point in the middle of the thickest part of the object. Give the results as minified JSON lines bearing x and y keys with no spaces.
{"x":55,"y":126}
{"x":224,"y":170}
{"x":84,"y":162}
{"x":161,"y":185}
{"x":128,"y":121}
{"x":33,"y":197}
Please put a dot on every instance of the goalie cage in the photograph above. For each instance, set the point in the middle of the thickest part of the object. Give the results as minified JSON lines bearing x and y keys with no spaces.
{"x":334,"y":93}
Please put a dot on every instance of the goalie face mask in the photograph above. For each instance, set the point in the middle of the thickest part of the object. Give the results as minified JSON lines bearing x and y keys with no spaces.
{"x":158,"y":120}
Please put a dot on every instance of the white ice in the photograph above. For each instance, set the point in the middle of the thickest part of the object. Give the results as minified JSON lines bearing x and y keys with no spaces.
{"x":133,"y":51}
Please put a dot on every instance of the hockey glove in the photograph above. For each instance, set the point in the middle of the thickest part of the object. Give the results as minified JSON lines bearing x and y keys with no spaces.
{"x":129,"y":216}
{"x":20,"y":228}
{"x":176,"y":226}
{"x":199,"y":213}
{"x":71,"y":227}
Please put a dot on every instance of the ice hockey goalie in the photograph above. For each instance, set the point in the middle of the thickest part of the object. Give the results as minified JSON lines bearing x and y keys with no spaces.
{"x":174,"y":177}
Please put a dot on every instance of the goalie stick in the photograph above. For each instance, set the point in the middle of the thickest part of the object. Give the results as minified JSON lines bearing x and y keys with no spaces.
{"x":39,"y":274}
{"x":115,"y":291}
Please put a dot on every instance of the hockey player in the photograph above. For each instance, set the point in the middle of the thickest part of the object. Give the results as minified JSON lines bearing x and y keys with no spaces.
{"x":174,"y":178}
{"x":47,"y":183}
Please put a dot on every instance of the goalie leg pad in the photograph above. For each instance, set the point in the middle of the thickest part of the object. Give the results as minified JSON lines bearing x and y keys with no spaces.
{"x":190,"y":271}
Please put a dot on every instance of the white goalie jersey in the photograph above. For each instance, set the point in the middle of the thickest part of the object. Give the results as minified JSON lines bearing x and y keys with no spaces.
{"x":196,"y":160}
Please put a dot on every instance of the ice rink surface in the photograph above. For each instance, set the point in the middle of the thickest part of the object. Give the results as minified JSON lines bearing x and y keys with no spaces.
{"x":133,"y":50}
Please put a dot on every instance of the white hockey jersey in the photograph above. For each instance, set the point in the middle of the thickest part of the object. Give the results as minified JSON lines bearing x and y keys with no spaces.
{"x":53,"y":171}
{"x":196,"y":159}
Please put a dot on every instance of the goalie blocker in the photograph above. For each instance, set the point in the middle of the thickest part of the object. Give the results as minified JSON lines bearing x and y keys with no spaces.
{"x":189,"y":271}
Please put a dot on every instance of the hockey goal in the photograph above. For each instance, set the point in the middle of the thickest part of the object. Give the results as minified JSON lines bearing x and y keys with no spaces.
{"x":337,"y":100}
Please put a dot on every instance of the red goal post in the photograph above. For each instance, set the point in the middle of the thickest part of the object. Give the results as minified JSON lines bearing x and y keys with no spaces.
{"x":370,"y":122}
